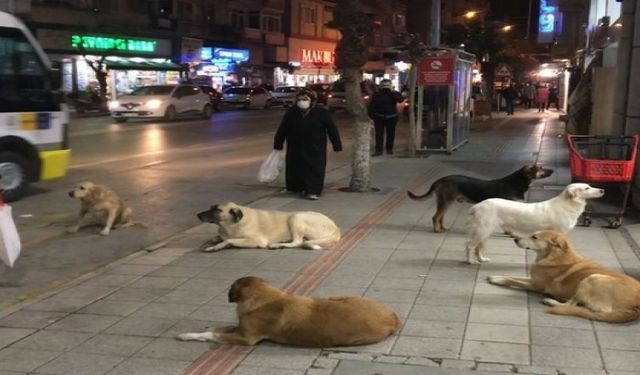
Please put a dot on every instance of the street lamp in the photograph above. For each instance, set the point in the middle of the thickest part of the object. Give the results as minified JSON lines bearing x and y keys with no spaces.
{"x":506,"y":28}
{"x":470,"y":14}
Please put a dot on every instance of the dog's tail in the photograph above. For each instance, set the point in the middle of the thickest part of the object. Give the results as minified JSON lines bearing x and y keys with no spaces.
{"x":617,"y":316}
{"x":426,"y":195}
{"x":323,"y":243}
{"x":138,"y":224}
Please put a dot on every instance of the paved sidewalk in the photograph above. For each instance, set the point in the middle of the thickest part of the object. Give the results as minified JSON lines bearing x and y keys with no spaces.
{"x":122,"y":319}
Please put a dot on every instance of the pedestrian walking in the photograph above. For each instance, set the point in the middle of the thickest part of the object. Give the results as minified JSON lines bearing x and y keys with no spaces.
{"x":384,"y":112}
{"x":529,"y":94}
{"x":510,"y":94}
{"x":542,"y":97}
{"x":553,"y":97}
{"x":305,"y":128}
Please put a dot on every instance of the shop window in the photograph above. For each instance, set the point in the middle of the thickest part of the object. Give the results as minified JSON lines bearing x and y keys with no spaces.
{"x":308,"y":15}
{"x":237,"y":19}
{"x":185,"y":10}
{"x":253,"y":20}
{"x":102,"y":5}
{"x":210,"y":16}
{"x":271,"y":23}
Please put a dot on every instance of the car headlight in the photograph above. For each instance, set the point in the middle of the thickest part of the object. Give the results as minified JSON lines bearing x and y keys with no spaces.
{"x":154,"y":103}
{"x":114,"y":104}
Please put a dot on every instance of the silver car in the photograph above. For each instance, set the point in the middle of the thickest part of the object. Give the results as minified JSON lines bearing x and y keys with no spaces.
{"x":246,"y":97}
{"x":286,"y":95}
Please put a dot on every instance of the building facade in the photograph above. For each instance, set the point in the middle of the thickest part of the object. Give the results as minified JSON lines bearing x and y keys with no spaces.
{"x":217,"y":42}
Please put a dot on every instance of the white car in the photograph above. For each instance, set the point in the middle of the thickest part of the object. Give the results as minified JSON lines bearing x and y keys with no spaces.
{"x":247,"y":97}
{"x":285,"y":95}
{"x":161,"y":101}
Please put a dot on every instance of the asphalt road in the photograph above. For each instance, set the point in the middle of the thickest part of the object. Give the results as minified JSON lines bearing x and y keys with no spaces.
{"x":166,"y":171}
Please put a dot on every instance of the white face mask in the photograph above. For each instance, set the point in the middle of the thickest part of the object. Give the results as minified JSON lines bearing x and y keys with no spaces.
{"x":304,"y":104}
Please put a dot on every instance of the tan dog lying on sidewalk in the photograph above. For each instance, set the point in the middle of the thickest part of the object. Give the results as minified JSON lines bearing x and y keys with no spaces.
{"x":104,"y":206}
{"x":267,"y":313}
{"x":241,"y":226}
{"x":590,"y":291}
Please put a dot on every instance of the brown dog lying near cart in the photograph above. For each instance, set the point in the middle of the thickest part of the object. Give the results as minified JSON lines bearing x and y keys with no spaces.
{"x":448,"y":189}
{"x":267,"y":313}
{"x":589,"y":290}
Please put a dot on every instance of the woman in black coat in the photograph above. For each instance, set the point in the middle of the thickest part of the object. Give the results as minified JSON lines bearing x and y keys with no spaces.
{"x":305,"y":129}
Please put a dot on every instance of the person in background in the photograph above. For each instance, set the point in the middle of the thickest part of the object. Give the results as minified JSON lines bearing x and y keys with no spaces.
{"x":553,"y":97}
{"x":542,"y":97}
{"x":384,"y":112}
{"x":510,"y":94}
{"x":305,"y":129}
{"x":529,"y":94}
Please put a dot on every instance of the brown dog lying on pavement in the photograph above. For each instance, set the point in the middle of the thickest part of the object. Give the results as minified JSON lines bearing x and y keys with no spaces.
{"x":104,"y":205}
{"x":267,"y":313}
{"x":448,"y":189}
{"x":590,"y":290}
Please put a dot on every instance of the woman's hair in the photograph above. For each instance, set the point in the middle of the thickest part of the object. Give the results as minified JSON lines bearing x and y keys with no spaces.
{"x":308,"y":93}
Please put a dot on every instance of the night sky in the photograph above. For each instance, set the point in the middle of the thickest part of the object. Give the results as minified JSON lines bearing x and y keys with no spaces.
{"x":515,"y":11}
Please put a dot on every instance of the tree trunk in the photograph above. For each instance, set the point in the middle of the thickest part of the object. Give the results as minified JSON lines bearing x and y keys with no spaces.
{"x":423,"y":18}
{"x":361,"y":167}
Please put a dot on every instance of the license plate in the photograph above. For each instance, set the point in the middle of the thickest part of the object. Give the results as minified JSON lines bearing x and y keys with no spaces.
{"x":130,"y":115}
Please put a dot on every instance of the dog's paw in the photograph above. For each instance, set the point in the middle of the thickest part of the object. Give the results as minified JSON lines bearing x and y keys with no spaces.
{"x":104,"y":232}
{"x":550,"y":302}
{"x":204,"y":336}
{"x":472,"y":261}
{"x":275,"y":246}
{"x":209,"y":249}
{"x":496,"y":280}
{"x":483,"y":259}
{"x":72,"y":230}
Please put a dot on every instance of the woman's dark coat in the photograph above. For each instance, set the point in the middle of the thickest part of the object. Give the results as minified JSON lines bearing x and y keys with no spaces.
{"x":306,"y":138}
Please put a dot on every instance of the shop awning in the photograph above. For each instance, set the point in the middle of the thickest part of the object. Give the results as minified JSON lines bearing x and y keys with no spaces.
{"x":127,"y":64}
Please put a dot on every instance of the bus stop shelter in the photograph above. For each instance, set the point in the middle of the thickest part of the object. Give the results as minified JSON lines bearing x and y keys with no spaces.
{"x":444,"y":100}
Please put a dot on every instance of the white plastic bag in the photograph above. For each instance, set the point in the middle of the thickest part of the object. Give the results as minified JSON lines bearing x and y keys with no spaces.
{"x":9,"y":238}
{"x":270,"y":168}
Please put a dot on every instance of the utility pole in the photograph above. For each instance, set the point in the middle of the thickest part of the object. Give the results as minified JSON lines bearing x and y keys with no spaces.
{"x":529,"y":19}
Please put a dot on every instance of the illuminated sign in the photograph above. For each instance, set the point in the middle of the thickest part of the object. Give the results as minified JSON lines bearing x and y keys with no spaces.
{"x":227,"y":54}
{"x":312,"y":57}
{"x":105,"y":43}
{"x":549,"y":21}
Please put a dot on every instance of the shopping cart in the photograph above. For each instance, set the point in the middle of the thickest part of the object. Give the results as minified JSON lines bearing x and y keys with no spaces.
{"x":607,"y":160}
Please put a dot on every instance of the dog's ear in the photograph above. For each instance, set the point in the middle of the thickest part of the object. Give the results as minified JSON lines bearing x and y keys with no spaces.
{"x":560,"y":242}
{"x":235,"y":292}
{"x":572,"y":192}
{"x":237,"y":214}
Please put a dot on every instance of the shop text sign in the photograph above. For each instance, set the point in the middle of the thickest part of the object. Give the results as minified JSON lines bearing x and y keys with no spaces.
{"x":226,"y":54}
{"x":313,"y":57}
{"x":104,"y":43}
{"x":435,"y":71}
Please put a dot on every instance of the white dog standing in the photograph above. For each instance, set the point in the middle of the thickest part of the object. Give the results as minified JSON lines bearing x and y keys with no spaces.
{"x":560,"y":213}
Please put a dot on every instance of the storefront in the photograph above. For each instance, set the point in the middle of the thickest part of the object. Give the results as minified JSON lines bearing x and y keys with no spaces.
{"x":131,"y":62}
{"x":309,"y":62}
{"x":222,"y":66}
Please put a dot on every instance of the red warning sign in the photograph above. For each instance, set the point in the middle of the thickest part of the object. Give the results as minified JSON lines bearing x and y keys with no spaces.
{"x":436,"y":71}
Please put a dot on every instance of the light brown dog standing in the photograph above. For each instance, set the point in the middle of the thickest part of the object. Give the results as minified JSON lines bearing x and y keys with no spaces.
{"x":104,"y":206}
{"x":590,"y":290}
{"x":267,"y":313}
